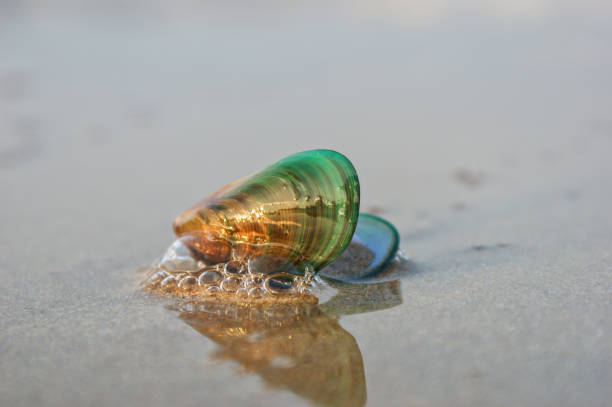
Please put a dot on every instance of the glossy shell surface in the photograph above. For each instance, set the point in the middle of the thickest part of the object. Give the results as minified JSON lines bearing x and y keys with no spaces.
{"x":374,"y":246}
{"x":302,"y":209}
{"x":380,"y":237}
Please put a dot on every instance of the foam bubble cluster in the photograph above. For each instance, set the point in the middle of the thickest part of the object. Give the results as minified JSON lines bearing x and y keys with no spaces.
{"x":238,"y":280}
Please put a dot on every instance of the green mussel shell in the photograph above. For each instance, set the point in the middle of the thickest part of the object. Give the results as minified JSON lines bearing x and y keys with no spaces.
{"x":374,"y":245}
{"x":303,"y":209}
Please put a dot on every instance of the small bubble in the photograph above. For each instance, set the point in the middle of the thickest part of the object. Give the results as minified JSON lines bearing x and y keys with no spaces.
{"x":209,"y":277}
{"x":156,"y":278}
{"x":279,"y":283}
{"x":213,"y":290}
{"x":178,"y":258}
{"x":188,"y":283}
{"x":235,"y":267}
{"x":169,"y":283}
{"x":242,"y":293}
{"x":231,"y":284}
{"x":256,"y":280}
{"x":257,"y":292}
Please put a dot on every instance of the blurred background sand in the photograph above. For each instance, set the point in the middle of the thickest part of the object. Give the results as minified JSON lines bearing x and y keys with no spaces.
{"x":482,"y":131}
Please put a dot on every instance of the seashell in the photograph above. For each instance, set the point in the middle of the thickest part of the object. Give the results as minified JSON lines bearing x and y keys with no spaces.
{"x":300,"y":211}
{"x":380,"y":237}
{"x":374,"y":245}
{"x":264,"y":237}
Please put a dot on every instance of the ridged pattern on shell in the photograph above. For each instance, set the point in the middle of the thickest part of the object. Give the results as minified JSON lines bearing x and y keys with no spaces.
{"x":304,"y":206}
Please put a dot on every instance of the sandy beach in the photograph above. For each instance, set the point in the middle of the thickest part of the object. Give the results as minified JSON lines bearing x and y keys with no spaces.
{"x":484,"y":135}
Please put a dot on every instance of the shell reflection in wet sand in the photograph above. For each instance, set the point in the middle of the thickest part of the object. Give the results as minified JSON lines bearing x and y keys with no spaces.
{"x":297,"y":347}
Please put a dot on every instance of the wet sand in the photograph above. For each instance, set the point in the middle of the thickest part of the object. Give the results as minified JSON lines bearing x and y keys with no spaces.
{"x":484,"y":136}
